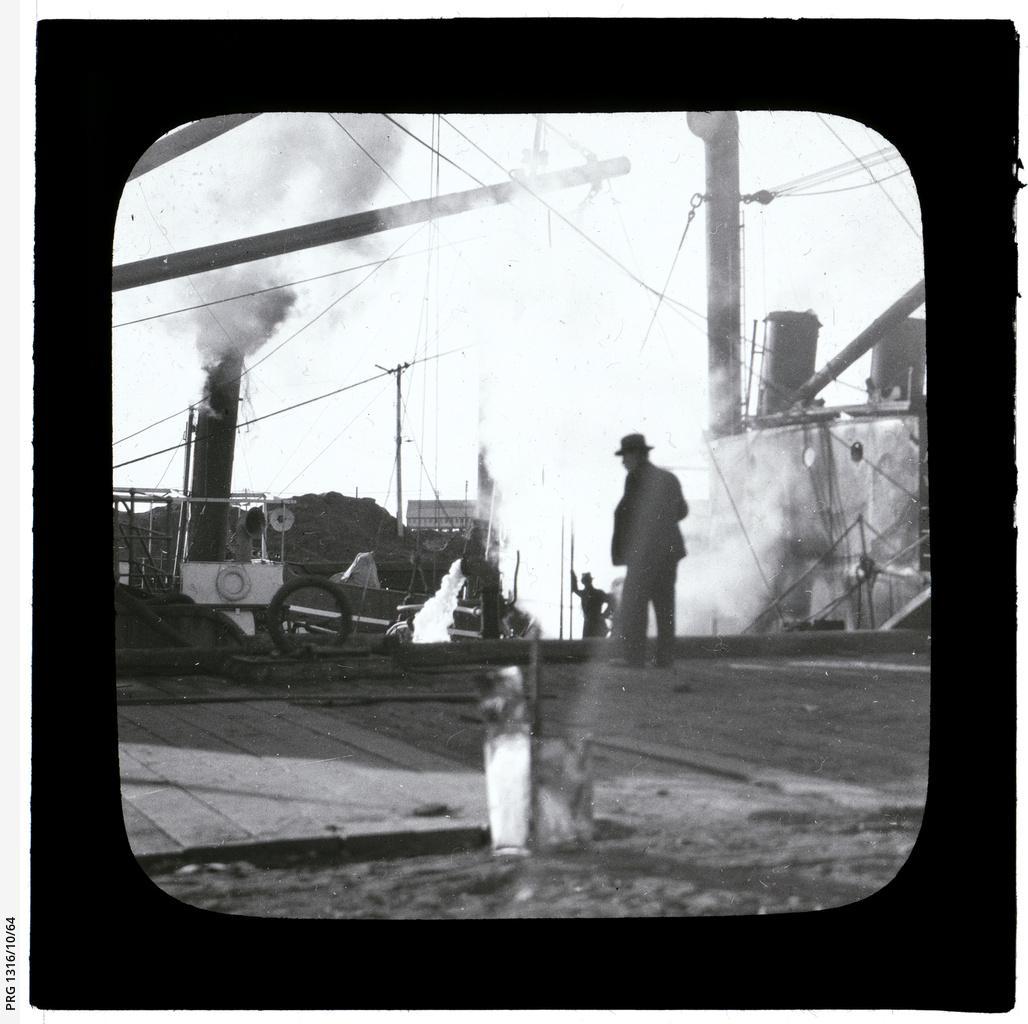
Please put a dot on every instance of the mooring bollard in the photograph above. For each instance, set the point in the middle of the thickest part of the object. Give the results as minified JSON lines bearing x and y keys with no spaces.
{"x":538,"y":789}
{"x":563,"y":793}
{"x":508,"y":759}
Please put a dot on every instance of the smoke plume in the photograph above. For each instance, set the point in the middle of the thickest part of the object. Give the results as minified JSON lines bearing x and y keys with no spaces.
{"x":291,"y":180}
{"x":240,"y":328}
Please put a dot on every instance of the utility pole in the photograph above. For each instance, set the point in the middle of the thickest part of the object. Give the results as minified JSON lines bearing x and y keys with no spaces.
{"x":400,"y":367}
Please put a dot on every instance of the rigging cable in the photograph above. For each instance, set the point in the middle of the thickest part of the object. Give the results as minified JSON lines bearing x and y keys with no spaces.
{"x":425,"y":312}
{"x":795,"y":583}
{"x":233,"y":343}
{"x":367,"y":154}
{"x":436,"y":151}
{"x":742,"y":526}
{"x":296,"y":333}
{"x":286,"y":284}
{"x":849,"y":591}
{"x":859,"y":583}
{"x":889,"y":158}
{"x":694,"y":204}
{"x":834,"y":173}
{"x":165,"y":473}
{"x":334,"y":439}
{"x":878,"y":469}
{"x":673,"y":302}
{"x":848,"y":188}
{"x":885,"y":192}
{"x":314,"y":423}
{"x":920,"y":539}
{"x":574,"y":227}
{"x":435,"y":232}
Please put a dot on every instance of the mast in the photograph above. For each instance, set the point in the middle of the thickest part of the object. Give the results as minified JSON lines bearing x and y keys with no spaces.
{"x":719,"y":130}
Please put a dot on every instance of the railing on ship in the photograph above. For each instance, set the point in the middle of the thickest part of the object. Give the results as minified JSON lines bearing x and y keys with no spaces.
{"x":865,"y":574}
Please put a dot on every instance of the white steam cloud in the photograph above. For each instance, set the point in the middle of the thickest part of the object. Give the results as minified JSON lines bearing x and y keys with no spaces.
{"x":562,"y":380}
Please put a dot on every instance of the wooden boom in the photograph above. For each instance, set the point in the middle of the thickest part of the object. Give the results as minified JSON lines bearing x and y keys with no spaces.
{"x":357,"y":225}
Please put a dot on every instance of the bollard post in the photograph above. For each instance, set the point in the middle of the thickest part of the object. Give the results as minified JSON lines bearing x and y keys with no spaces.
{"x":538,"y":789}
{"x":508,"y":759}
{"x":563,"y":793}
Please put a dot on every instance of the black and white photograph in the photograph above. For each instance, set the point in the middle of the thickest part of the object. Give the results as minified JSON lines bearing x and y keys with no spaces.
{"x":575,"y":493}
{"x":521,"y":511}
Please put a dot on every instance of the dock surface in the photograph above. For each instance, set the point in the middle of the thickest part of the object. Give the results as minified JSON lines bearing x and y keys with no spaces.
{"x":216,"y":768}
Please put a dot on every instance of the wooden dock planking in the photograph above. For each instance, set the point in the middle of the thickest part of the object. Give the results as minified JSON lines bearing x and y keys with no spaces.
{"x":281,"y":769}
{"x":392,"y":750}
{"x":184,"y":817}
{"x":268,"y":730}
{"x":143,"y":834}
{"x":209,"y":774}
{"x":164,"y":687}
{"x":167,"y":724}
{"x":182,"y":806}
{"x":730,"y":768}
{"x":244,"y":775}
{"x":130,"y":731}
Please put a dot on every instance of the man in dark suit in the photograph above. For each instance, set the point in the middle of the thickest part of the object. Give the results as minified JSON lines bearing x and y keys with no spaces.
{"x":647,"y":540}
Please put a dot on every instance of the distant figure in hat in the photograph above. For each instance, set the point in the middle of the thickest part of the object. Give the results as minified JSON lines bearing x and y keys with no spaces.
{"x":595,"y":606}
{"x":648,"y":542}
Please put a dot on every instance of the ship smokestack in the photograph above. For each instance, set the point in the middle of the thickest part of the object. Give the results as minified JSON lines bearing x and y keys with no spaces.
{"x":898,"y":362}
{"x":791,"y":357}
{"x":213,"y":453}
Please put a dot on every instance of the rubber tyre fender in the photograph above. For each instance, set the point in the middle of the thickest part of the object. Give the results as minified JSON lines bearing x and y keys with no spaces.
{"x":282,"y":640}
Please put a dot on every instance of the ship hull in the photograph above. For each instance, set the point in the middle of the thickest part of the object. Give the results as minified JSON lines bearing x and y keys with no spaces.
{"x":817,"y":525}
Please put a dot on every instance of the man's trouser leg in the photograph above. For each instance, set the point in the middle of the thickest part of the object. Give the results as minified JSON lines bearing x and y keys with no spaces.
{"x":632,"y":615}
{"x":663,"y":594}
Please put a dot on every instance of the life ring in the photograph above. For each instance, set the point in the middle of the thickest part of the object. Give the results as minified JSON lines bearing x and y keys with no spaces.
{"x":277,"y":608}
{"x":233,"y":583}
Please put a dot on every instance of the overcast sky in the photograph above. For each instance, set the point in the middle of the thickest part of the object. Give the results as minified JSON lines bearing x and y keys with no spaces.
{"x":550,"y":356}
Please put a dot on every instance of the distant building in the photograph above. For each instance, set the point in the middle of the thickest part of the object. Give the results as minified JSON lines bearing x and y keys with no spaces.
{"x":440,"y":514}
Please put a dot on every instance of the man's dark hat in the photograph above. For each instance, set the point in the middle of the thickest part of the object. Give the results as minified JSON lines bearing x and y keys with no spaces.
{"x":587,"y":575}
{"x":633,"y":443}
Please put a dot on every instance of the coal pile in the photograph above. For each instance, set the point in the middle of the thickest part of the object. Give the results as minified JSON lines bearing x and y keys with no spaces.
{"x":335,"y":528}
{"x":329,"y":528}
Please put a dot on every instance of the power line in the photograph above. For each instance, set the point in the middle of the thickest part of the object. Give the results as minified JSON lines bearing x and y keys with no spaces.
{"x":309,"y":323}
{"x":289,"y":284}
{"x":742,"y":526}
{"x":278,"y":412}
{"x":285,"y":487}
